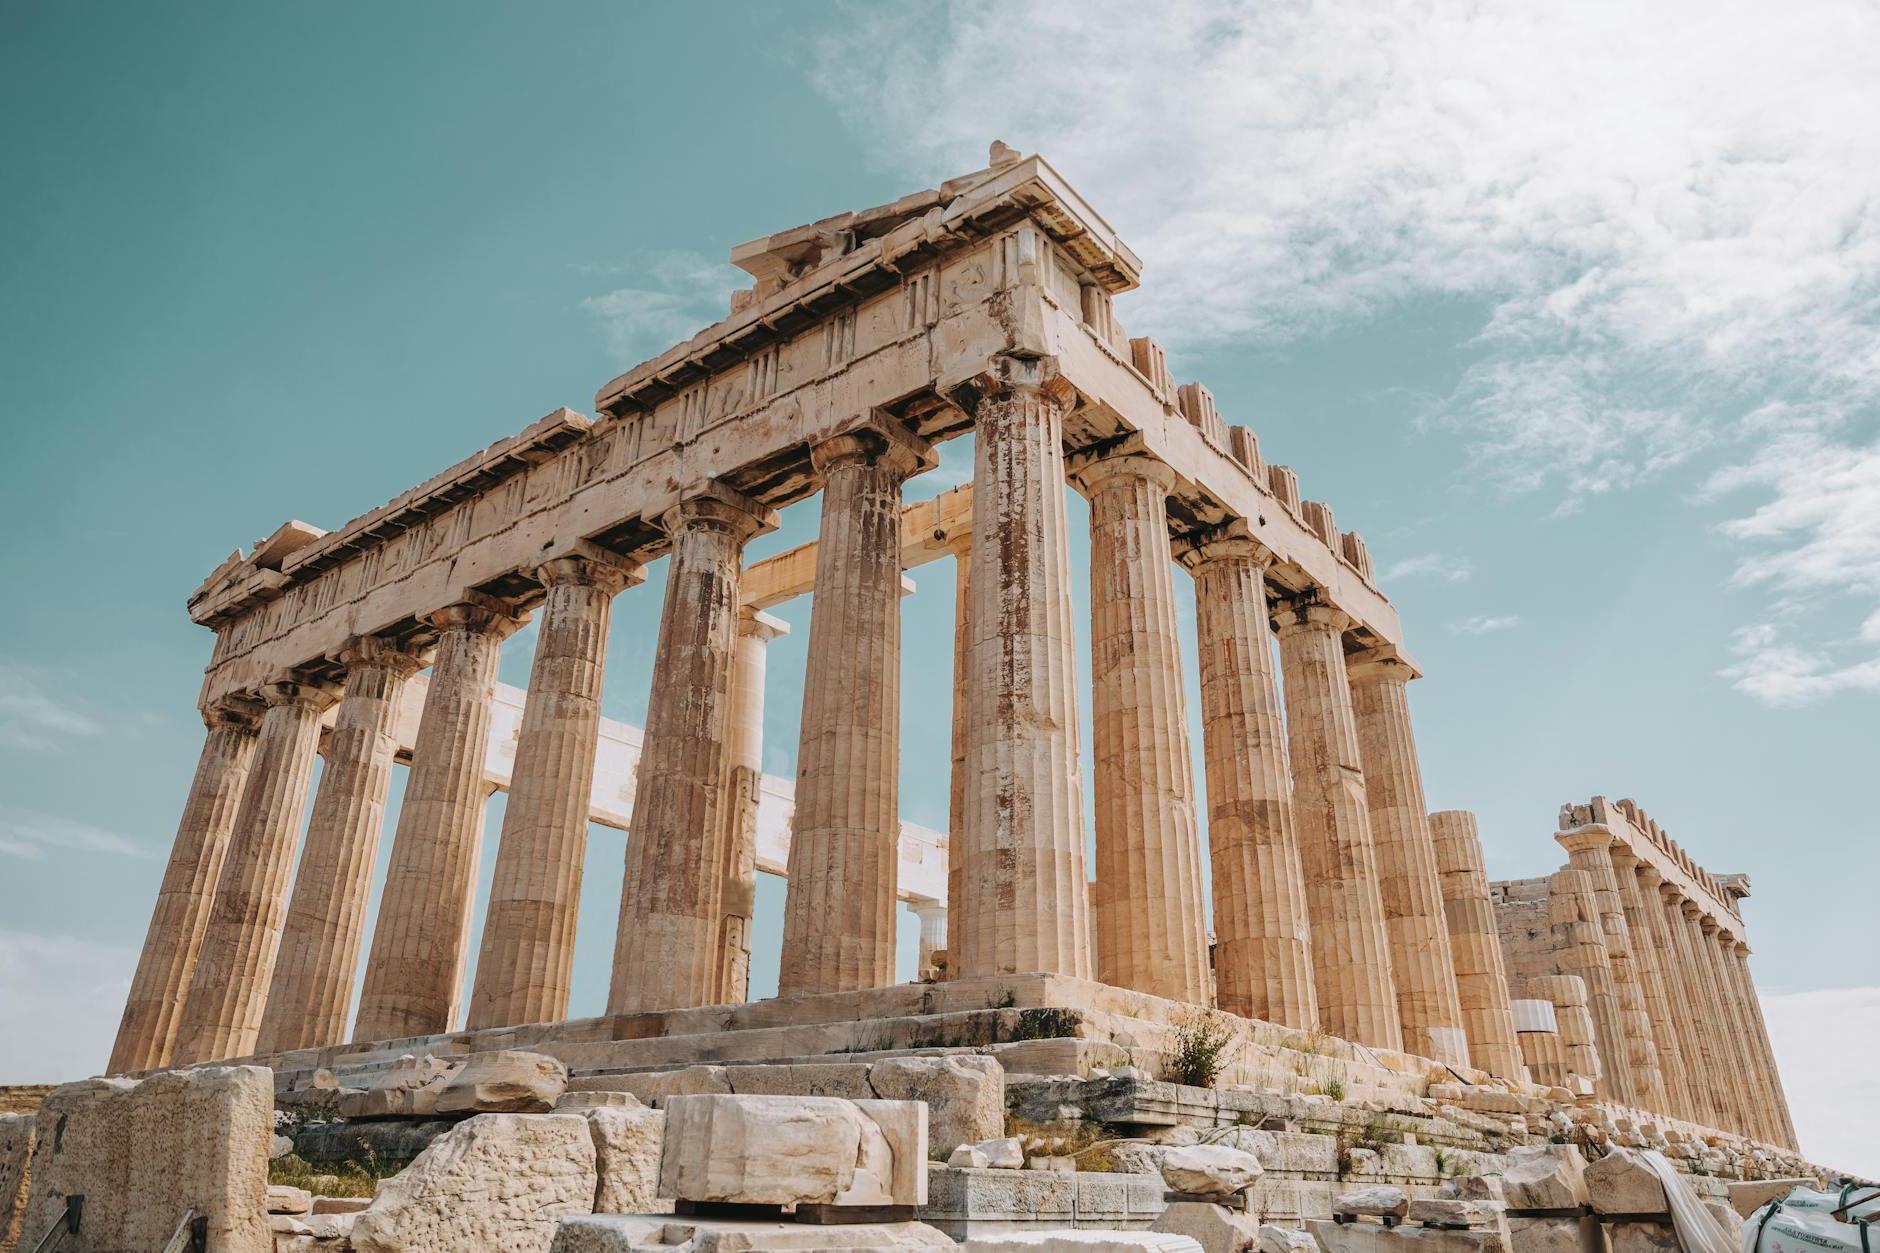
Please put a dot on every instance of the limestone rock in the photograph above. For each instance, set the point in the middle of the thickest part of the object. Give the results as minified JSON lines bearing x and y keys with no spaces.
{"x":16,"y":1152}
{"x":1209,"y":1169}
{"x":848,"y":1080}
{"x":627,"y":1144}
{"x":1448,"y":1212}
{"x":1751,"y":1195}
{"x":1554,"y":1235}
{"x":504,"y":1081}
{"x":1622,"y":1183}
{"x":580,"y":1101}
{"x":496,"y":1181}
{"x":410,"y":1089}
{"x":340,"y":1204}
{"x":965,"y":1095}
{"x":285,"y":1200}
{"x":1544,"y":1176}
{"x":1643,"y":1238}
{"x":654,"y":1086}
{"x":1277,"y":1239}
{"x":968,"y":1156}
{"x":1138,"y":1157}
{"x":1335,"y":1237}
{"x":1005,"y":1153}
{"x":1475,"y":1188}
{"x":1728,"y":1221}
{"x":783,"y":1150}
{"x":620,"y":1233}
{"x":1381,"y":1202}
{"x":1215,"y":1228}
{"x":1081,"y":1242}
{"x":281,"y":1147}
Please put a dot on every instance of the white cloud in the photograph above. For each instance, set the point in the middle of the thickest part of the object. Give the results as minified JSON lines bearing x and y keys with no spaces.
{"x":1777,"y":672}
{"x":1429,"y":565}
{"x":32,"y":719}
{"x":1821,"y":1040}
{"x":674,"y":294}
{"x":60,"y":998}
{"x":32,"y":834}
{"x":1669,"y":213}
{"x":1484,"y":623}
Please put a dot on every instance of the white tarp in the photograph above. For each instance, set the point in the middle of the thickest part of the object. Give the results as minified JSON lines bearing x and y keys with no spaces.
{"x":1807,"y":1221}
{"x":1697,"y":1231}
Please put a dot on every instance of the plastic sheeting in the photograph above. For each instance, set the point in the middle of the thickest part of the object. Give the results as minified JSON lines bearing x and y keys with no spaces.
{"x":1807,"y":1221}
{"x":1697,"y":1231}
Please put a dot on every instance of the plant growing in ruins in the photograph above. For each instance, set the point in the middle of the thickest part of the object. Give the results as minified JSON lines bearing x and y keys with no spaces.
{"x":1335,"y":1088}
{"x":1195,"y":1055}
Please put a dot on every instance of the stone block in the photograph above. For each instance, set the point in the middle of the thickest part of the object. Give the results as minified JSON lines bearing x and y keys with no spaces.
{"x":393,"y":1142}
{"x":144,"y":1152}
{"x":903,"y":1129}
{"x":965,"y":1196}
{"x":1082,"y":1242}
{"x":504,"y":1081}
{"x":1748,"y":1196}
{"x":1544,"y":1176}
{"x":617,"y":1233}
{"x":968,"y":1157}
{"x":848,"y":1080}
{"x":581,"y":1101}
{"x":1727,"y":1219}
{"x":784,"y":1150}
{"x":1448,"y":1212}
{"x":654,"y":1086}
{"x":1643,"y":1238}
{"x":340,"y":1204}
{"x":1004,"y":1153}
{"x":627,"y":1145}
{"x":1556,"y":1235}
{"x":285,"y":1200}
{"x":495,"y":1181}
{"x":1215,"y":1228}
{"x":1623,"y":1183}
{"x":1334,"y":1237}
{"x":1278,"y":1239}
{"x":1381,"y":1202}
{"x":409,"y":1089}
{"x":1481,"y":1188}
{"x":964,"y":1092}
{"x":16,"y":1154}
{"x":1209,"y":1169}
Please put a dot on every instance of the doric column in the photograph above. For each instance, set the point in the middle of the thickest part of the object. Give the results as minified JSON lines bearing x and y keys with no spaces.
{"x":838,"y":913}
{"x":1262,"y":936}
{"x":414,"y":974}
{"x":1022,"y":904}
{"x":526,"y":964}
{"x":1475,"y":944}
{"x":146,"y":1037}
{"x":666,"y":946}
{"x":1589,"y":848}
{"x":1686,"y":1095}
{"x":1579,"y":1045}
{"x":1351,"y":957}
{"x":1714,"y":942}
{"x":1652,"y":982}
{"x":1699,"y":938}
{"x":744,"y":777}
{"x":1707,"y":1086}
{"x":957,"y":806}
{"x":1420,"y":960}
{"x":1149,"y":911}
{"x":236,"y":960}
{"x":1777,"y":1125}
{"x":326,"y":918}
{"x":1574,"y":917}
{"x":933,"y":933}
{"x":1537,"y":1029}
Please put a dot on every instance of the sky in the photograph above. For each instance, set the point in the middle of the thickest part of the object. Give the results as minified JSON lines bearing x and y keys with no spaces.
{"x":1572,"y":311}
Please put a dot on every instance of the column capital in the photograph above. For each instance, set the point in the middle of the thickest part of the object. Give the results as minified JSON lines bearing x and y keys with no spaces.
{"x":288,"y":690}
{"x":1092,"y":470}
{"x":478,"y":614}
{"x":1593,"y":837}
{"x":1622,"y":855}
{"x":875,"y":440}
{"x":1232,"y":540}
{"x":589,"y":565}
{"x":1380,"y":662}
{"x":399,"y":656}
{"x":717,"y":507}
{"x":1742,"y":948}
{"x":1649,"y":875}
{"x":240,"y":712}
{"x":1016,"y":376}
{"x":755,"y":624}
{"x":1299,"y":614}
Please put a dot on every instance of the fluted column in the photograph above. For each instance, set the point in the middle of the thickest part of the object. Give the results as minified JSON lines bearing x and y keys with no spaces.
{"x":1574,"y":916}
{"x":744,"y":777}
{"x":1537,"y":1028}
{"x":1022,"y":903}
{"x":414,"y":973}
{"x":1262,"y":936}
{"x":326,"y":918}
{"x":838,"y":913}
{"x":666,"y":945}
{"x":236,"y":960}
{"x":1475,"y":944}
{"x":1589,"y":848}
{"x":146,"y":1037}
{"x":1740,"y":1015}
{"x":525,"y":969}
{"x":1708,"y":1087}
{"x":933,"y":933}
{"x":1149,"y":911}
{"x":1420,"y":960}
{"x":1777,"y":1125}
{"x":1713,"y":942}
{"x":1351,"y":957}
{"x":1579,"y":1046}
{"x":1700,"y":932}
{"x":1651,"y":975}
{"x":957,"y":802}
{"x":1687,"y":1095}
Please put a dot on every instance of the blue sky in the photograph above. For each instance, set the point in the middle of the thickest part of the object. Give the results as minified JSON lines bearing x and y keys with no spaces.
{"x":1573,"y":316}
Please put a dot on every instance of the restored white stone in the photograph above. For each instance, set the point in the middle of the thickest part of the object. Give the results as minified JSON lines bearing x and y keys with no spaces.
{"x":1209,"y":1169}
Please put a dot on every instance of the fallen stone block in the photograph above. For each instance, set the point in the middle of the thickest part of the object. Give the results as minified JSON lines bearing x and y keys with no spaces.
{"x":1544,"y":1176}
{"x":964,"y":1092}
{"x":496,"y":1181}
{"x":1643,"y":1238}
{"x":1004,"y":1153}
{"x":285,"y":1200}
{"x":1082,"y":1242}
{"x":627,"y":1145}
{"x":1216,"y":1228}
{"x":1209,"y":1169}
{"x":340,"y":1204}
{"x":280,"y":1148}
{"x":1447,"y":1212}
{"x":1380,"y":1202}
{"x":1623,"y":1183}
{"x":1277,"y":1239}
{"x":620,"y":1233}
{"x":791,"y":1150}
{"x":1555,"y":1235}
{"x":1727,"y":1219}
{"x":968,"y":1156}
{"x":410,"y":1089}
{"x":394,"y":1142}
{"x":504,"y":1081}
{"x":1482,"y":1188}
{"x":580,"y":1101}
{"x":1337,"y":1237}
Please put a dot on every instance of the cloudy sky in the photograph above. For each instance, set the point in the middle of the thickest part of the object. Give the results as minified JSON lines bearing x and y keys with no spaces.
{"x":1572,"y":310}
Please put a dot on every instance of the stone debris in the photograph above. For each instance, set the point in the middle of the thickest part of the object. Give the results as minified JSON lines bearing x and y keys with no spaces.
{"x":968,"y":1156}
{"x":1555,"y":1235}
{"x":1544,"y":1176}
{"x":1448,"y":1212}
{"x":1622,"y":1182}
{"x":1216,"y":1228}
{"x":790,"y":1150}
{"x":1278,"y":1239}
{"x":1003,"y":1153}
{"x":628,"y":1141}
{"x":410,"y":1089}
{"x":281,"y":1147}
{"x":1727,"y":1219}
{"x":965,"y":1095}
{"x":1380,"y":1202}
{"x":286,"y":1200}
{"x":1209,"y":1170}
{"x":496,"y":1181}
{"x":504,"y":1081}
{"x":1082,"y":1242}
{"x":618,"y":1233}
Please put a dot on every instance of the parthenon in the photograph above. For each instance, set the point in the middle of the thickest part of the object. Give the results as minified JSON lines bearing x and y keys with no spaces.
{"x":1300,"y":886}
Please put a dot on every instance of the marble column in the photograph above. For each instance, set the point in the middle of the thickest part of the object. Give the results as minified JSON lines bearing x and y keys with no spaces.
{"x":1475,"y":944}
{"x":1420,"y":960}
{"x":1698,"y":938}
{"x":236,"y":960}
{"x":326,"y":918}
{"x":1706,"y":1051}
{"x":744,"y":778}
{"x":1262,"y":936}
{"x":666,"y":947}
{"x":1148,"y":905}
{"x":933,"y":934}
{"x":1651,"y":975}
{"x":1022,"y":904}
{"x":838,"y":913}
{"x":1574,"y":916}
{"x":1687,"y":1097}
{"x":1537,"y":1028}
{"x":414,"y":972}
{"x":1351,"y":957}
{"x":146,"y":1037}
{"x":525,"y":968}
{"x":1579,"y":1045}
{"x":1741,"y":1018}
{"x":1714,"y":940}
{"x":957,"y":803}
{"x":1778,"y":1126}
{"x":1590,"y":850}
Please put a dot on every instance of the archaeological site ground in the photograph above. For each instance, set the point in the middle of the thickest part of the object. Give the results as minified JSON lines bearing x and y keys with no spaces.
{"x":1317,"y":1026}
